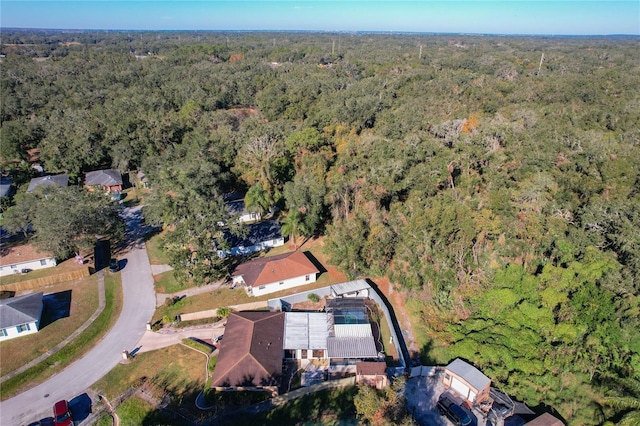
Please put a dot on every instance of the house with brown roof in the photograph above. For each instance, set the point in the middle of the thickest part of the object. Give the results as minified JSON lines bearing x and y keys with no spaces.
{"x":251,"y":352}
{"x":109,"y":180}
{"x":545,"y":419}
{"x":270,"y":274}
{"x":24,"y":257}
{"x":372,"y":373}
{"x":20,"y":315}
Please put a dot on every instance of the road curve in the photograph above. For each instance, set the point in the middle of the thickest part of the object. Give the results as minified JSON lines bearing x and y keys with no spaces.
{"x":137,"y":310}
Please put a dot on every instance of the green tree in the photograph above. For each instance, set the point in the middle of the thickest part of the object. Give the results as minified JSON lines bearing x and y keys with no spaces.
{"x":67,"y":220}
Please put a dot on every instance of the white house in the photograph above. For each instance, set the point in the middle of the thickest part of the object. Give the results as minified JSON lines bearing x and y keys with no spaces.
{"x":261,"y":236}
{"x":24,"y":257}
{"x":237,"y":208}
{"x":270,"y":274}
{"x":20,"y":315}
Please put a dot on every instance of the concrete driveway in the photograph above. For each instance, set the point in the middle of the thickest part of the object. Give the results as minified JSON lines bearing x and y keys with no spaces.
{"x":137,"y":310}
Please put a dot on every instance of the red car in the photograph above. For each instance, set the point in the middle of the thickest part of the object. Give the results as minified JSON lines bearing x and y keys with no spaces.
{"x":62,"y":414}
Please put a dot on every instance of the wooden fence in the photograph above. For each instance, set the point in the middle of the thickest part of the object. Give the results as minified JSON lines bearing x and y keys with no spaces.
{"x":45,"y":281}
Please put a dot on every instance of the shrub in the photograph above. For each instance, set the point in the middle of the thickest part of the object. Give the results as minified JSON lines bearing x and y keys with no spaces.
{"x":313,"y":297}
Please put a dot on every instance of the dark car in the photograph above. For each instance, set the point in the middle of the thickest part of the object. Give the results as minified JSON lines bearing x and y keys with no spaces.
{"x":62,"y":414}
{"x":455,"y":413}
{"x":113,"y":265}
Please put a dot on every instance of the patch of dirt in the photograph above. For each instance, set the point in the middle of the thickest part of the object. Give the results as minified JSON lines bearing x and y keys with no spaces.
{"x":402,"y":314}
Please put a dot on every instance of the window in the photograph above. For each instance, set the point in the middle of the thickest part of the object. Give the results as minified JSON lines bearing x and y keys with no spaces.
{"x":303,"y":354}
{"x":318,"y":353}
{"x":261,"y":287}
{"x":43,"y":262}
{"x":307,"y":277}
{"x":13,"y":266}
{"x":281,"y":282}
{"x":3,"y":333}
{"x":23,"y":327}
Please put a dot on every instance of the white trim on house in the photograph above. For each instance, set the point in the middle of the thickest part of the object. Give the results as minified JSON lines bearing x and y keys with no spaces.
{"x":16,"y":268}
{"x":18,"y":330}
{"x":281,"y":285}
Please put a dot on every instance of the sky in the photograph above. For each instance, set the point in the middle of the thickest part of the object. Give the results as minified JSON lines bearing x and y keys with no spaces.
{"x":548,"y":17}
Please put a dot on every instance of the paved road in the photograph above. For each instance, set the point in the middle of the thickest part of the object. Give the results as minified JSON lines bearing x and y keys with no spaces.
{"x":138,"y":308}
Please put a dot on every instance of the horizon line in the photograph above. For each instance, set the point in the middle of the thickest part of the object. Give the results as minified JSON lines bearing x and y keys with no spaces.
{"x":320,"y":32}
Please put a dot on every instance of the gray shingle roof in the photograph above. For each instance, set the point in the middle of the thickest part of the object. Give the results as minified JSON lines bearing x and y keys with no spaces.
{"x":60,"y":180}
{"x":20,"y":310}
{"x":468,"y":372}
{"x":109,"y":177}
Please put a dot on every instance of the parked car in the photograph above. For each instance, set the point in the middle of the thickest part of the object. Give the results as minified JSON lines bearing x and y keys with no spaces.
{"x":62,"y":414}
{"x":448,"y":407}
{"x":113,"y":265}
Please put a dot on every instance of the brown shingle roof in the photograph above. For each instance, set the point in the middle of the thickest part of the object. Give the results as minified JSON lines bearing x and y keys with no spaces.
{"x":265,"y":270}
{"x":21,"y":253}
{"x":251,"y":351}
{"x":368,"y":368}
{"x":545,"y":420}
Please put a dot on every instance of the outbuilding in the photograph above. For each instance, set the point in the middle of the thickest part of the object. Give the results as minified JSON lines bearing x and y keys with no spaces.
{"x":467,"y":381}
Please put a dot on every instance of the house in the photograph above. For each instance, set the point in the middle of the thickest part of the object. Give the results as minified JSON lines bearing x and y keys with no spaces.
{"x":20,"y":315}
{"x":545,"y":419}
{"x":372,"y":373}
{"x":261,"y":236}
{"x":251,"y":352}
{"x":5,"y":186}
{"x":24,"y":257}
{"x":270,"y":274}
{"x":46,"y":181}
{"x":237,"y":208}
{"x":109,"y":180}
{"x":467,"y":381}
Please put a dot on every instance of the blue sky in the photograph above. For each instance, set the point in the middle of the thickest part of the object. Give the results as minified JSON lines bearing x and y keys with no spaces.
{"x":574,"y":17}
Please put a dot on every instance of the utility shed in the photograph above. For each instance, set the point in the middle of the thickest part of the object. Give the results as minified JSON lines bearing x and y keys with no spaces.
{"x":467,"y":381}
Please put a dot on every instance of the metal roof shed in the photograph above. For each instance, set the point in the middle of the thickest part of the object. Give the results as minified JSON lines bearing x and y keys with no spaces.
{"x":467,"y":381}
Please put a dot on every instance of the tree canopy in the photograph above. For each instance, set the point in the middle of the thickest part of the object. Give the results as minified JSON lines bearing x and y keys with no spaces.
{"x":499,"y":194}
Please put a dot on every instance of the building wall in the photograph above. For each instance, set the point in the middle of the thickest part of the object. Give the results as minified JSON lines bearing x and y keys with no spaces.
{"x":283,"y":285}
{"x":472,"y":395}
{"x":7,"y":269}
{"x":12,"y":332}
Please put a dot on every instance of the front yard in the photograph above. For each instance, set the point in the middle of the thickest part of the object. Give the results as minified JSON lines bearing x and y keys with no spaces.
{"x":83,"y":303}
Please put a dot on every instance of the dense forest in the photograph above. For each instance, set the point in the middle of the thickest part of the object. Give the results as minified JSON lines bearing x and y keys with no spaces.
{"x":494,"y":180}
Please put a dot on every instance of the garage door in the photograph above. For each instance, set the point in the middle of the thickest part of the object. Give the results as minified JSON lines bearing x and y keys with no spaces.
{"x":460,"y":387}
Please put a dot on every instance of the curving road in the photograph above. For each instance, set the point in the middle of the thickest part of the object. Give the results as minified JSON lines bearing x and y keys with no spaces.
{"x":138,"y":308}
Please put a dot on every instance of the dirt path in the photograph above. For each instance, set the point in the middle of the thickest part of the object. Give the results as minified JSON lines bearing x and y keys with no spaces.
{"x":402,"y":314}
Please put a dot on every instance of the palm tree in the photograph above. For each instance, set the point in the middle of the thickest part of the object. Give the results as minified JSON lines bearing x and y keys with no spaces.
{"x":256,"y":197}
{"x":293,"y":225}
{"x":629,"y":404}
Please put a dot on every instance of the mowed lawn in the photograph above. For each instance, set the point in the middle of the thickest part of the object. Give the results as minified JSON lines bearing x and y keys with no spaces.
{"x":82,"y":298}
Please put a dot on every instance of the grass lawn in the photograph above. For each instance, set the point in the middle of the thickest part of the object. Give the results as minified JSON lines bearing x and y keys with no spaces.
{"x":166,"y":283}
{"x":66,"y":266}
{"x":83,"y":296}
{"x":154,"y":249}
{"x":176,"y":370}
{"x":224,"y":297}
{"x":329,"y":407}
{"x":76,"y":348}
